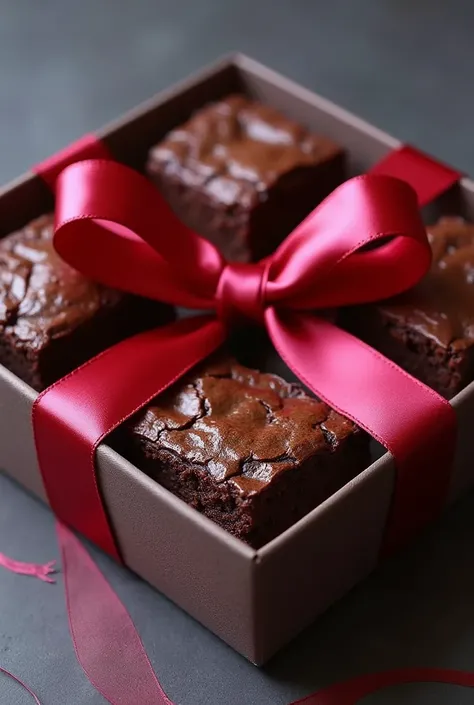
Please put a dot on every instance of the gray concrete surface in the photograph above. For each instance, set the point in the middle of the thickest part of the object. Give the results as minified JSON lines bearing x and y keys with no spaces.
{"x":406,"y":65}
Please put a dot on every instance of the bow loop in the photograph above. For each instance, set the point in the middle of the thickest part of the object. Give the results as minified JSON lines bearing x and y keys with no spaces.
{"x":365,"y":242}
{"x":113,"y":226}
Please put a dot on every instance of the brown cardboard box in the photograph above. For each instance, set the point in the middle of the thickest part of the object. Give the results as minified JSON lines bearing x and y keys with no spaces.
{"x":256,"y":601}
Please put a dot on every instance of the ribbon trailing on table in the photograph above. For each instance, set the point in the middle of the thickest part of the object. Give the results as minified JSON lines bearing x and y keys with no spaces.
{"x":112,"y":225}
{"x":21,"y":683}
{"x":352,"y":691}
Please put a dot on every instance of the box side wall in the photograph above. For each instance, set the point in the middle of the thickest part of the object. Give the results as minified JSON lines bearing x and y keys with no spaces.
{"x":189,"y":559}
{"x":302,"y":573}
{"x":17,"y":446}
{"x":463,"y":470}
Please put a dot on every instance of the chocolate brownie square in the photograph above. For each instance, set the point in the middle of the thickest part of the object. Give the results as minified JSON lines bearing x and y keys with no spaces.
{"x":244,"y":176}
{"x":249,"y":450}
{"x":429,"y":330}
{"x":52,"y":319}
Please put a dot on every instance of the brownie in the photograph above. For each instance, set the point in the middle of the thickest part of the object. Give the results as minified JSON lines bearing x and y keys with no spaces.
{"x":249,"y":450}
{"x":429,"y":331}
{"x":52,"y":319}
{"x":242,"y":175}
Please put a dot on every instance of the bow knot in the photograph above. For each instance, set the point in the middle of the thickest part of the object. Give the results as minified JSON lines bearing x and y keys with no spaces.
{"x":240,"y":294}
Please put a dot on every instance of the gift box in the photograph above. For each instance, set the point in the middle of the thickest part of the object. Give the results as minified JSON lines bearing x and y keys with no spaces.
{"x":255,"y":600}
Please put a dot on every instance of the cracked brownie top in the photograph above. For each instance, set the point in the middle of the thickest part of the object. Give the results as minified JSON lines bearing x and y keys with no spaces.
{"x":242,"y":426}
{"x":237,"y":148}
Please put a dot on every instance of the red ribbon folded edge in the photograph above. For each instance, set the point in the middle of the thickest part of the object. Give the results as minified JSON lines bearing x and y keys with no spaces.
{"x":396,"y":679}
{"x":427,"y":176}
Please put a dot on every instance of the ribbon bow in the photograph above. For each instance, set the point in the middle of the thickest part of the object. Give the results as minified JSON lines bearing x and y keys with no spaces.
{"x":112,"y":225}
{"x":318,"y":266}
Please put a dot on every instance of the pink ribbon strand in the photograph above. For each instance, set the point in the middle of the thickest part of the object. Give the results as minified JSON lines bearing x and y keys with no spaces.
{"x":20,"y":682}
{"x":106,"y":643}
{"x":42,"y":571}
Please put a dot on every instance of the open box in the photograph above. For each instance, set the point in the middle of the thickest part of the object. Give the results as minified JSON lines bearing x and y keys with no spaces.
{"x":255,"y":600}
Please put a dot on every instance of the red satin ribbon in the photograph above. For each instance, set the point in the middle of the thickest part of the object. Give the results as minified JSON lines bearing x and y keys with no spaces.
{"x":321,"y":265}
{"x":352,"y":691}
{"x":427,"y":176}
{"x":86,"y":147}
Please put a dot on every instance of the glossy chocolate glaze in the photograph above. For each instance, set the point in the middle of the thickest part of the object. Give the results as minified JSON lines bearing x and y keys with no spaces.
{"x":236,"y":149}
{"x":441,"y":307}
{"x":52,"y":319}
{"x":41,"y":297}
{"x":243,"y":427}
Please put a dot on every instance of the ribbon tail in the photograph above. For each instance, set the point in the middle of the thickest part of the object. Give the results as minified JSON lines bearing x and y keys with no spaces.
{"x":413,"y":422}
{"x":115,"y":227}
{"x":42,"y":571}
{"x":106,"y":642}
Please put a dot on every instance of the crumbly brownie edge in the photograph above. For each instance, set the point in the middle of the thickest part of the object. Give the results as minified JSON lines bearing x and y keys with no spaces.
{"x":444,"y":370}
{"x":258,"y":518}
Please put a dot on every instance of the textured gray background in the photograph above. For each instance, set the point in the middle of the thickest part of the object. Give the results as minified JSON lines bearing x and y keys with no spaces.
{"x":406,"y":65}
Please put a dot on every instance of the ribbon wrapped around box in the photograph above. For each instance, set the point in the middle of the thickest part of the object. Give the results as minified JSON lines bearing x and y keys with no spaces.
{"x":112,"y":225}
